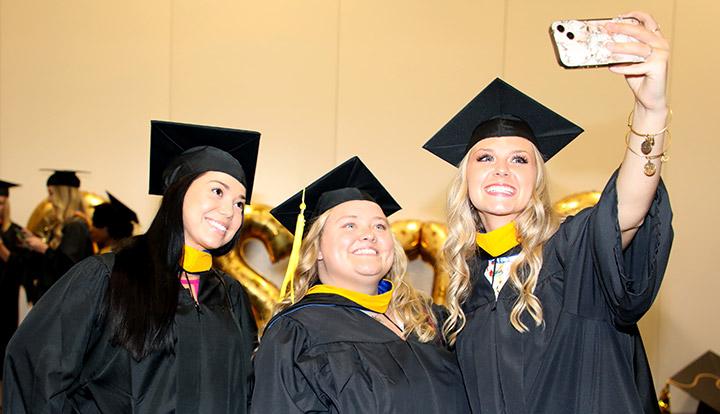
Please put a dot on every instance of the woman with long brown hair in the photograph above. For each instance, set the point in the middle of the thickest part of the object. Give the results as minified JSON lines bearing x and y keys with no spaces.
{"x":351,"y":335}
{"x":544,"y":314}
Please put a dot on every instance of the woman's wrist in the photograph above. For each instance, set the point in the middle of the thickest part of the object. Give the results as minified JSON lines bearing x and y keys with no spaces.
{"x":660,"y":112}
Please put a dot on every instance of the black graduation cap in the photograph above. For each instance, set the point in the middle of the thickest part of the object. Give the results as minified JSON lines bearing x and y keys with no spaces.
{"x":501,"y":110}
{"x":121,"y":210}
{"x":5,"y":186}
{"x":351,"y":180}
{"x":63,"y":177}
{"x":701,"y":379}
{"x":177,"y":150}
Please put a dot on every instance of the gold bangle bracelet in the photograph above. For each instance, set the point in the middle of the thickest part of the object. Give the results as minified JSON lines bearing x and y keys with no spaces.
{"x":650,"y":135}
{"x":649,"y":169}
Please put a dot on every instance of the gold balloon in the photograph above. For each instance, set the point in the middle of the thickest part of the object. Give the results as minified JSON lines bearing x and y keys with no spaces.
{"x":39,"y":221}
{"x":407,"y":233}
{"x":573,"y":203}
{"x":425,"y":240}
{"x":433,"y":237}
{"x":261,"y":225}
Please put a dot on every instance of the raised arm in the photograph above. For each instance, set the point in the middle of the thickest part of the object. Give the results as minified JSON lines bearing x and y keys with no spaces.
{"x":639,"y":174}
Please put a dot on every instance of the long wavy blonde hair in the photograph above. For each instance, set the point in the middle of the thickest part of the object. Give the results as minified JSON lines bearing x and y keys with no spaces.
{"x":411,"y":307}
{"x":535,"y":225}
{"x":67,"y":203}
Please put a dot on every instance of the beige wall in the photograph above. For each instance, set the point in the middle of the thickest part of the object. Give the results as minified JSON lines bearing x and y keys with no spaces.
{"x":323,"y":80}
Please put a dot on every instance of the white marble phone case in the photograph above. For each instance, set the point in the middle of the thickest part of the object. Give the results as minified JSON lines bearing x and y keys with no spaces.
{"x":581,"y":43}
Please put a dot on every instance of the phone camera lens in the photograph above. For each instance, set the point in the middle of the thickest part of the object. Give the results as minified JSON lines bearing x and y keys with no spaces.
{"x":570,"y":36}
{"x":560,"y":28}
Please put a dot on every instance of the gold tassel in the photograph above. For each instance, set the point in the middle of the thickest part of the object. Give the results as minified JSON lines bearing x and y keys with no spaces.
{"x":287,"y":284}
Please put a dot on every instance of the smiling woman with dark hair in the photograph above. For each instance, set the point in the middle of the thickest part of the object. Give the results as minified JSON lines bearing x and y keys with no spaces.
{"x":152,"y":328}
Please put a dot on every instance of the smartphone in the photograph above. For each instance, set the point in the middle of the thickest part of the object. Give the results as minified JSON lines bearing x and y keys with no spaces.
{"x":581,"y":43}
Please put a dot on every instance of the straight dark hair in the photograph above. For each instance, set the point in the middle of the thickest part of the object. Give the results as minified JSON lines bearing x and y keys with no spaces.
{"x":142,"y":295}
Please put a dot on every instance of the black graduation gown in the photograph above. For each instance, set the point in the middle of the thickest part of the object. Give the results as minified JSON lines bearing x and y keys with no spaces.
{"x":47,"y":268}
{"x":61,"y":359}
{"x":588,"y":357}
{"x":324,"y":355}
{"x":11,"y":277}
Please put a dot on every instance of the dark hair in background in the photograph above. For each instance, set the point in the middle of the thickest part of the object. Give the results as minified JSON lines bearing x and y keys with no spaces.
{"x":105,"y":216}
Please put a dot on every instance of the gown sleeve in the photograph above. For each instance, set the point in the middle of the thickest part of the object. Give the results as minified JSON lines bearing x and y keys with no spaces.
{"x":11,"y":270}
{"x":281,"y":387}
{"x":75,"y":241}
{"x":74,"y":247}
{"x":45,"y":357}
{"x":19,"y":266}
{"x":628,"y":280}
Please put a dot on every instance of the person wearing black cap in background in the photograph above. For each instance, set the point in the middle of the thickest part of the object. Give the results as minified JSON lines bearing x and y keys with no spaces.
{"x":152,"y":328}
{"x":351,"y":335}
{"x":68,"y":236}
{"x":112,"y":223}
{"x":544,"y":315}
{"x":12,"y":256}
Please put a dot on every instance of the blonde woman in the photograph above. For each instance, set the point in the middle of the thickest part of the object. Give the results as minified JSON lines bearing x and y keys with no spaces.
{"x":68,"y":240}
{"x":543,"y":315}
{"x":352,"y":336}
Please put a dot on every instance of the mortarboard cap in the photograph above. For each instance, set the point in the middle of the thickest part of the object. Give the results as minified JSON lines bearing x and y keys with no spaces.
{"x":177,"y":150}
{"x":5,"y":186}
{"x":67,"y":178}
{"x":701,"y":379}
{"x":351,"y":180}
{"x":122,"y":211}
{"x":501,"y":110}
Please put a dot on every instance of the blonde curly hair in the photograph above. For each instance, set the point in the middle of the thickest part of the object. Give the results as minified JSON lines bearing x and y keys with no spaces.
{"x":410,"y":306}
{"x":535,"y":225}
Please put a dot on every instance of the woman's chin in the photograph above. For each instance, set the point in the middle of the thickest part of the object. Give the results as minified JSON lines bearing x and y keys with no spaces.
{"x":371,"y":273}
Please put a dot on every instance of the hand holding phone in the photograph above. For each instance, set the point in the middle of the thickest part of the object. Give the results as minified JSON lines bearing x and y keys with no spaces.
{"x":582,"y":43}
{"x":33,"y":242}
